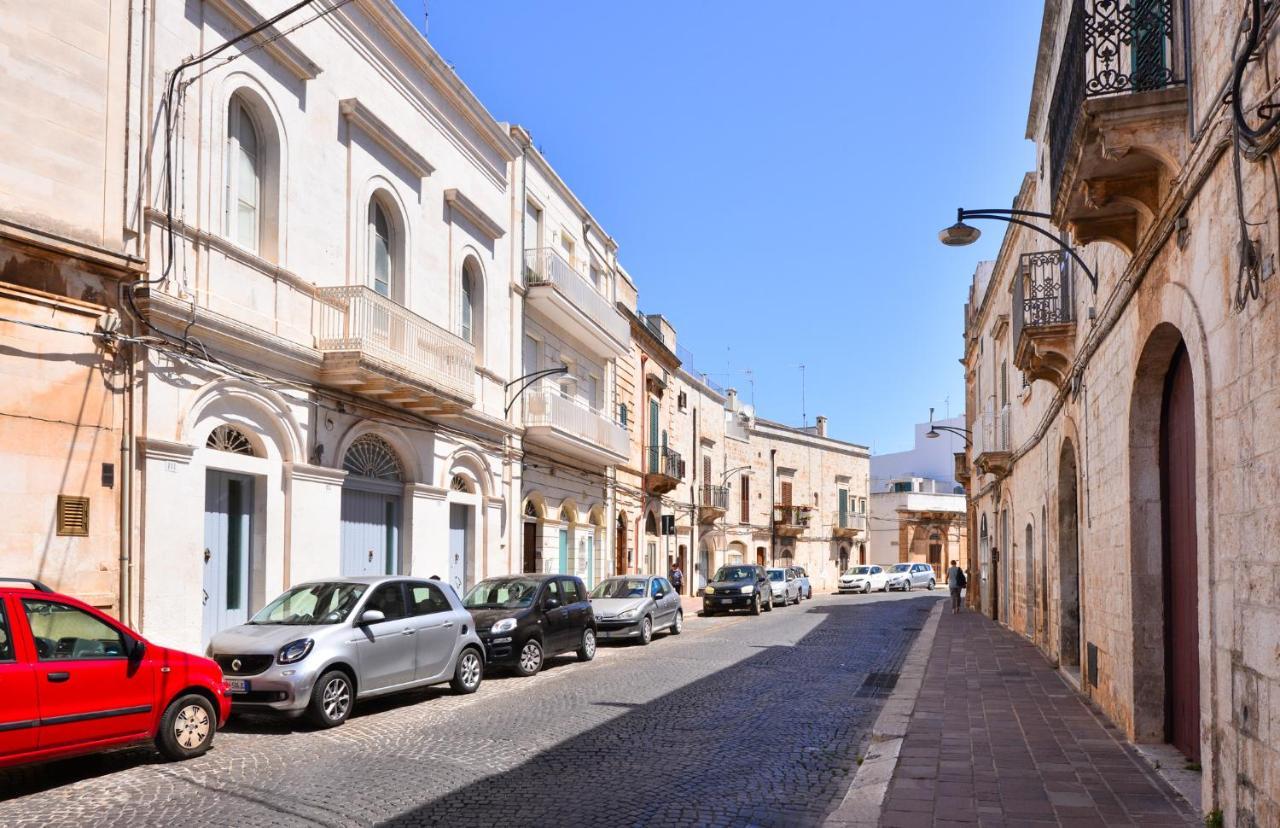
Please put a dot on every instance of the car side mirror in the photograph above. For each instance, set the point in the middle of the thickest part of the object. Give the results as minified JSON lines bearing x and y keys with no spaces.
{"x":659,"y":594}
{"x":550,"y":603}
{"x":372,"y":616}
{"x":137,"y":649}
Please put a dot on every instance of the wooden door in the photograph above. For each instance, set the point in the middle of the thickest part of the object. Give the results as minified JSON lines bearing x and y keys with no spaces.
{"x":530,"y":546}
{"x":620,"y":551}
{"x":1178,"y":502}
{"x":370,"y":532}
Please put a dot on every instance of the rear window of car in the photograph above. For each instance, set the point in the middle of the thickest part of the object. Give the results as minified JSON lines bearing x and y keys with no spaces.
{"x":571,"y":593}
{"x":425,"y":599}
{"x":6,"y":639}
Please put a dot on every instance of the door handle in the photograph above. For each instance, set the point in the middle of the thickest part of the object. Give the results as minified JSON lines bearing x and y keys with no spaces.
{"x":447,"y":624}
{"x":57,"y":677}
{"x":409,"y":632}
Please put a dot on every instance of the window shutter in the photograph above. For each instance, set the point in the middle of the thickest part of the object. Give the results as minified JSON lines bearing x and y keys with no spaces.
{"x":786,"y":493}
{"x":73,"y":516}
{"x":746,"y":499}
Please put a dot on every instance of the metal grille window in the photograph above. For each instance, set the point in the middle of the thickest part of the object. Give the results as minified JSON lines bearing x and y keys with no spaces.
{"x":73,"y":516}
{"x":232,"y":439}
{"x":371,"y":456}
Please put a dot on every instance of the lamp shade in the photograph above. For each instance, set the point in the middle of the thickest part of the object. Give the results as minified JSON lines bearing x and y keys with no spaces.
{"x":959,"y":235}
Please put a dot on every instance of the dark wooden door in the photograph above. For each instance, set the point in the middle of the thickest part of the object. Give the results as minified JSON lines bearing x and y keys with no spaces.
{"x":1178,"y":507}
{"x":530,"y":546}
{"x":620,"y":551}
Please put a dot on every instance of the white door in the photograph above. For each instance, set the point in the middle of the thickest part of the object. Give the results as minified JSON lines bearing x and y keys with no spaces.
{"x":459,"y":545}
{"x":228,"y":515}
{"x":370,"y":533}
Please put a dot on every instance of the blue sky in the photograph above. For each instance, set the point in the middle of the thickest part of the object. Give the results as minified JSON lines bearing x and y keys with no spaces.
{"x":776,"y":174}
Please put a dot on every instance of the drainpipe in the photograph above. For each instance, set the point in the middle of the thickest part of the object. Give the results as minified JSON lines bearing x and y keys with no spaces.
{"x":644,"y":501}
{"x":693,"y":505}
{"x":126,"y":493}
{"x":773,"y":505}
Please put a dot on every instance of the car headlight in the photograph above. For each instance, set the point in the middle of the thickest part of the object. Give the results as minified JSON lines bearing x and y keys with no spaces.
{"x":631,"y":613}
{"x":295,"y":651}
{"x":709,"y":590}
{"x":746,"y":590}
{"x":505,"y":625}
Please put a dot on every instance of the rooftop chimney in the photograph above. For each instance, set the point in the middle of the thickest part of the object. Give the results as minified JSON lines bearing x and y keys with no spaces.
{"x":731,"y":396}
{"x":822,"y":426}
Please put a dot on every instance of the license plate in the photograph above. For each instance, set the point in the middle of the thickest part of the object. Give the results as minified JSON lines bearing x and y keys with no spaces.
{"x":726,"y":600}
{"x":238,"y":685}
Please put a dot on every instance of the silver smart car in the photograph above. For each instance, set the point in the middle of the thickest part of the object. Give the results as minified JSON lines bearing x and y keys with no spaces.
{"x":324,"y":644}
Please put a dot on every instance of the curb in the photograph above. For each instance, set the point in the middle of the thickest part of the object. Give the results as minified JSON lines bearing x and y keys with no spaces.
{"x":860,"y":807}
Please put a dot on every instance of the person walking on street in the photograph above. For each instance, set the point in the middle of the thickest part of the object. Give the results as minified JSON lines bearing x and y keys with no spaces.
{"x":677,"y":578}
{"x":956,"y":581}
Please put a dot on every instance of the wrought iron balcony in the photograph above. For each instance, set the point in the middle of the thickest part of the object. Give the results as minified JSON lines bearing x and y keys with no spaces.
{"x":713,"y":503}
{"x":664,"y":469}
{"x":567,"y":298}
{"x":849,"y":525}
{"x":1043,"y":320}
{"x":566,"y":425}
{"x":1117,"y":114}
{"x":379,"y":348}
{"x":790,"y":520}
{"x":991,"y":452}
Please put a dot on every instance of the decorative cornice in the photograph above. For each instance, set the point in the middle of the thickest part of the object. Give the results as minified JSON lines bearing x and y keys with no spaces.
{"x":423,"y":491}
{"x":156,"y":449}
{"x":315,"y":474}
{"x":472,"y":212}
{"x":244,"y":17}
{"x":373,"y":126}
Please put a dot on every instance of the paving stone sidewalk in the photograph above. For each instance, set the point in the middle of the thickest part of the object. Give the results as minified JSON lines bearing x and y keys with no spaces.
{"x":999,"y":738}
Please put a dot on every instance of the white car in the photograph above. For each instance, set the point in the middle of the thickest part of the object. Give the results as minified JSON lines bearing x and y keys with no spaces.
{"x":908,"y":576}
{"x":784,"y":584}
{"x":864,"y":579}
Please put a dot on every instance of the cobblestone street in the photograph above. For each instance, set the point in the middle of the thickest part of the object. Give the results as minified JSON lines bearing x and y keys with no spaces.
{"x":739,"y":720}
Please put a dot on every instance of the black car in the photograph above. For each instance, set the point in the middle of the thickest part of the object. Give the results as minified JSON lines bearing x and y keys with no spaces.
{"x":524,"y":619}
{"x":738,"y":586}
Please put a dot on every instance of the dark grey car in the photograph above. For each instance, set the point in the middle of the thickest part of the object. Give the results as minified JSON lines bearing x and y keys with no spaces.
{"x":634,"y":607}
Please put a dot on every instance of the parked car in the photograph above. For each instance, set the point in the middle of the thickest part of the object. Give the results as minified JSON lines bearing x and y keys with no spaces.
{"x":864,"y":579}
{"x":74,"y":681}
{"x":324,"y":645}
{"x":806,"y":588}
{"x":738,"y":586}
{"x":525,"y":619}
{"x":907,"y":576}
{"x":784,"y":585}
{"x":636,"y":606}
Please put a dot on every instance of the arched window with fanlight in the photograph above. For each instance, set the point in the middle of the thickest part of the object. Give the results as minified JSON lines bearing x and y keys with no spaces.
{"x":245,"y":165}
{"x":382,"y":250}
{"x":372,"y":509}
{"x":471,"y":305}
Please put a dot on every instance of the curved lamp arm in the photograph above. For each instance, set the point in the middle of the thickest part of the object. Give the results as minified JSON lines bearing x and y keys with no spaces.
{"x":1009,"y":216}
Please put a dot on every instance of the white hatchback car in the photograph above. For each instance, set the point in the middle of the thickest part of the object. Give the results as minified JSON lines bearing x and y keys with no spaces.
{"x":908,"y":576}
{"x":864,"y":579}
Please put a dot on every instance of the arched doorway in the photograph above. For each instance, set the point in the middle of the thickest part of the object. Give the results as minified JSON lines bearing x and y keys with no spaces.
{"x":568,"y":516}
{"x":1068,"y":561}
{"x":590,"y":547}
{"x":762,"y":557}
{"x":371,"y":508}
{"x":935,"y":551}
{"x":1029,"y":574}
{"x":736,"y":554}
{"x":844,"y":559}
{"x":1162,"y":467}
{"x":621,"y":563}
{"x":529,"y":548}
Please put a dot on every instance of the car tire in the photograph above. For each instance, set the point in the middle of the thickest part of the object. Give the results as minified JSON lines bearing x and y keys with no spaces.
{"x":468,"y":673}
{"x":587,"y":649}
{"x":755,"y":604}
{"x":531,"y":658}
{"x":332,"y":698}
{"x":810,"y":595}
{"x":677,"y":626}
{"x":932,"y":584}
{"x":646,"y":630}
{"x":187,"y":727}
{"x":885,"y":588}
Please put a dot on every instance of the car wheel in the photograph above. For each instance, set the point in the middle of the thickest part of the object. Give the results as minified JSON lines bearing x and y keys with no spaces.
{"x":587,"y":651}
{"x":677,"y":626}
{"x":932,"y":584}
{"x":646,"y":630}
{"x":885,"y":588}
{"x":468,"y":673}
{"x":187,"y":727}
{"x":331,"y":699}
{"x":755,"y":604}
{"x":810,"y":595}
{"x":530,"y":660}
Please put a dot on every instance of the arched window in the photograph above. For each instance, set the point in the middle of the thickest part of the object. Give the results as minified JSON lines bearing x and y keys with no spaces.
{"x":370,"y":456}
{"x":382,"y":252}
{"x":650,"y":524}
{"x":471,"y":312}
{"x":468,"y":304}
{"x":232,"y":439}
{"x":244,"y":177}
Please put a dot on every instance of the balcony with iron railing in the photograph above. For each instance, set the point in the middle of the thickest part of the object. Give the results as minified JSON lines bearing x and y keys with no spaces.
{"x":790,"y":520}
{"x":554,"y":420}
{"x":376,"y":347}
{"x":557,"y":291}
{"x":1044,"y":328}
{"x":848,"y":524}
{"x":663,"y":469}
{"x":1117,"y":116}
{"x":991,"y":452}
{"x":713,"y":503}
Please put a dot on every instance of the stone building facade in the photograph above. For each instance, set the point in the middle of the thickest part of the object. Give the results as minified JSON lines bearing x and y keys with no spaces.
{"x":1122,"y":473}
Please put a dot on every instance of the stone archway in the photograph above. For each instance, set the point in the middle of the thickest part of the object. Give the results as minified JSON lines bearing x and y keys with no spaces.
{"x":1068,"y":559}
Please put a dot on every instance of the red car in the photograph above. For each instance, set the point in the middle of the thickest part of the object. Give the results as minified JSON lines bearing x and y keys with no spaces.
{"x":74,"y":680}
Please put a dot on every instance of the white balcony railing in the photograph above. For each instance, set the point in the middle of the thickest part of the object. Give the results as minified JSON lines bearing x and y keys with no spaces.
{"x":357,"y":318}
{"x":544,"y":266}
{"x":548,"y":407}
{"x":993,"y":432}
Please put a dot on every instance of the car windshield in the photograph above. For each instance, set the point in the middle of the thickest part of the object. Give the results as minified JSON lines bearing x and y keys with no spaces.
{"x":900,"y":568}
{"x":734,"y":573}
{"x":776,"y":575}
{"x":619,"y":588}
{"x":326,"y":603}
{"x":859,"y":570}
{"x":502,"y":593}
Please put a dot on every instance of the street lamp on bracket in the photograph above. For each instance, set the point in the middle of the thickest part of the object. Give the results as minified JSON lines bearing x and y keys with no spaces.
{"x":528,"y":380}
{"x":933,"y":434}
{"x":961,"y":234}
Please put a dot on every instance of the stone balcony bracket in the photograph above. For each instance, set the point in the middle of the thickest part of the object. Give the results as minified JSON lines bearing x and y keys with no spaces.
{"x":1045,"y":352}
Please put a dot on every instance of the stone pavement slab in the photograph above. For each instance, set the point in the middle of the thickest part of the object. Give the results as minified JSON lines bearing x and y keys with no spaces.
{"x":997,"y":737}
